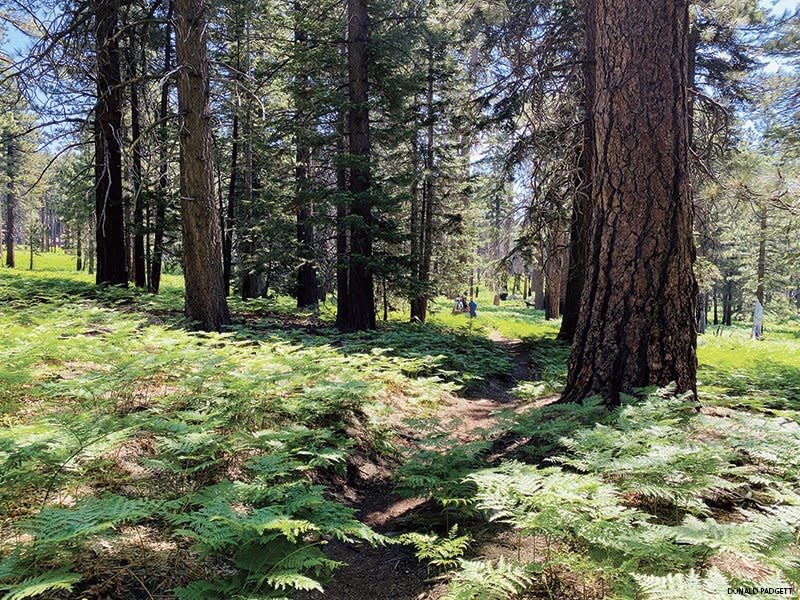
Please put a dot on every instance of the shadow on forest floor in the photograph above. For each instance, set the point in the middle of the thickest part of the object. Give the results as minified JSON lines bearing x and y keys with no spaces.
{"x":454,"y":355}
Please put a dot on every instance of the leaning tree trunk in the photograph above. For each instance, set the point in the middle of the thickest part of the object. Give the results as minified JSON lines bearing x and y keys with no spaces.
{"x":582,"y":202}
{"x":360,"y":308}
{"x":112,"y":264}
{"x":637,"y":323}
{"x":202,"y":244}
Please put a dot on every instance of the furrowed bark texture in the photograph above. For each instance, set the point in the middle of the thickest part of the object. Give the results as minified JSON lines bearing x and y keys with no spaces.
{"x":637,"y":323}
{"x":202,"y":244}
{"x":112,"y":263}
{"x":360,"y":308}
{"x":582,"y":202}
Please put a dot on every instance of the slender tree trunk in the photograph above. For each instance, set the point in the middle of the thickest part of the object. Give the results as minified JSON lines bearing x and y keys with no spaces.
{"x":342,"y":238}
{"x":139,"y":266}
{"x":761,"y":267}
{"x":11,"y":203}
{"x":233,"y":191}
{"x":230,"y":218}
{"x":716,"y":315}
{"x":553,"y":275}
{"x":92,"y":254}
{"x":537,"y":285}
{"x":304,"y":204}
{"x":32,"y":245}
{"x":202,"y":246}
{"x":582,"y":203}
{"x":637,"y":325}
{"x":419,"y":305}
{"x":163,"y":161}
{"x":112,"y":265}
{"x":360,"y":310}
{"x":78,"y":251}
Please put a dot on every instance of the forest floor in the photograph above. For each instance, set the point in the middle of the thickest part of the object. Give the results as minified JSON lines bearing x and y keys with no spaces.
{"x":142,"y":460}
{"x":392,"y":571}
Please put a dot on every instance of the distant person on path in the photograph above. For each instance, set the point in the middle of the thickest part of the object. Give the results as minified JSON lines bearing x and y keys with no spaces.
{"x":473,"y":308}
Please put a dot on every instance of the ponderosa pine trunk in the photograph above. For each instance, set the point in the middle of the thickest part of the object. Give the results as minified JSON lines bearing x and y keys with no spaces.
{"x":582,"y":202}
{"x":112,"y":264}
{"x":202,"y":245}
{"x":360,"y":305}
{"x":637,"y":326}
{"x":307,"y":288}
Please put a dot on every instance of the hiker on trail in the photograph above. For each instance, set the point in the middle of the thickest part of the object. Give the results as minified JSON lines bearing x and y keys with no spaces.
{"x":473,"y":308}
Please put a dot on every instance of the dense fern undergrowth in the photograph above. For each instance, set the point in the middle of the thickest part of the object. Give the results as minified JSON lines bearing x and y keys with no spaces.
{"x":138,"y":458}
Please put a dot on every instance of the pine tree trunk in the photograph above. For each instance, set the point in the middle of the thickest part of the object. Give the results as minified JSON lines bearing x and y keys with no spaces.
{"x":78,"y":251}
{"x":582,"y":202}
{"x":163,"y":161}
{"x":360,"y":309}
{"x":342,"y":241}
{"x":637,"y":325}
{"x":537,"y":286}
{"x":139,"y":268}
{"x":761,"y":267}
{"x":306,"y":272}
{"x":11,"y":204}
{"x":112,"y":265}
{"x":202,"y":244}
{"x":233,"y":188}
{"x":419,"y":305}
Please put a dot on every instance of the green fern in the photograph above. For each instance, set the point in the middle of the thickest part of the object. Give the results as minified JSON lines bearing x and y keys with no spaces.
{"x":39,"y":584}
{"x":684,"y":586}
{"x":481,"y":580}
{"x":440,"y":553}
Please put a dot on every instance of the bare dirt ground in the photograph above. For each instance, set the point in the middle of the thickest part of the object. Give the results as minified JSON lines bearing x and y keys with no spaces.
{"x":392,"y":572}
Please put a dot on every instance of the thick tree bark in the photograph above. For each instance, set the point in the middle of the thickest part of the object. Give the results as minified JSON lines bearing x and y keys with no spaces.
{"x":11,"y":203}
{"x":637,"y":326}
{"x":304,"y":205}
{"x":163,"y":161}
{"x":112,"y":265}
{"x":582,"y":202}
{"x":360,"y":306}
{"x":202,"y":246}
{"x":139,"y":266}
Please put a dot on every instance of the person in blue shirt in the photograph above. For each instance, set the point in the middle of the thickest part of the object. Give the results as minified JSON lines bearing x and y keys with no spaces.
{"x":473,"y":308}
